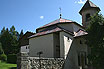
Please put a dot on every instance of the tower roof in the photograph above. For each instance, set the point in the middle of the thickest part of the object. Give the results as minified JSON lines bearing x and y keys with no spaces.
{"x":88,"y":5}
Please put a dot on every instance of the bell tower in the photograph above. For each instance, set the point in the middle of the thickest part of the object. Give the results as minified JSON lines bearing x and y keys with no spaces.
{"x":89,"y":9}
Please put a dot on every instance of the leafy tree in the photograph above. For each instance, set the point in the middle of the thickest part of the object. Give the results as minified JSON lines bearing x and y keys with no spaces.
{"x":95,"y":40}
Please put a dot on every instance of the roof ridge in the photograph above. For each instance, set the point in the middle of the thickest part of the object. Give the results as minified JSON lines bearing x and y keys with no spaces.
{"x":60,"y":20}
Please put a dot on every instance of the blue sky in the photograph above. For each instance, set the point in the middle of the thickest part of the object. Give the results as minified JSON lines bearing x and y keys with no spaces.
{"x":31,"y":14}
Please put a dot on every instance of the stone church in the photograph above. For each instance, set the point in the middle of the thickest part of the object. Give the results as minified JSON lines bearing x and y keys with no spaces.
{"x":63,"y":38}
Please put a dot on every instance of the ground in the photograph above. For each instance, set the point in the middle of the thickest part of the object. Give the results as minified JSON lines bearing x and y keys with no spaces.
{"x":4,"y":65}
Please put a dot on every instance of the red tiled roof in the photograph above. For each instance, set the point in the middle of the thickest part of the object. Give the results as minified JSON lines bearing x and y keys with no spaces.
{"x":57,"y":29}
{"x":88,"y":4}
{"x":80,"y":33}
{"x":61,"y":20}
{"x":46,"y":32}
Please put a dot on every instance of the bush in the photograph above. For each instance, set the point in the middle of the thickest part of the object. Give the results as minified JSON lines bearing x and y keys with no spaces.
{"x":3,"y":57}
{"x":11,"y":58}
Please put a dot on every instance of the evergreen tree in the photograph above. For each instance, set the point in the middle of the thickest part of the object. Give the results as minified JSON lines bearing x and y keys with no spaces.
{"x":14,"y":41}
{"x":5,"y":39}
{"x":21,"y":34}
{"x":3,"y":30}
{"x":1,"y":50}
{"x":9,"y":40}
{"x":95,"y":40}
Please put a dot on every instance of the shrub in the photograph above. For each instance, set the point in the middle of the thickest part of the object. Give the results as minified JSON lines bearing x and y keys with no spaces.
{"x":11,"y":58}
{"x":3,"y":57}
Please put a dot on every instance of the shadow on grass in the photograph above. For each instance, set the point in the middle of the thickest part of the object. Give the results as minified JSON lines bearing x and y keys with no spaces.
{"x":13,"y":68}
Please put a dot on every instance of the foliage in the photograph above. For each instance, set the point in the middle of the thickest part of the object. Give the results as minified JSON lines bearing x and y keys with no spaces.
{"x":12,"y":58}
{"x":1,"y":50}
{"x":95,"y":40}
{"x":3,"y":57}
{"x":9,"y":39}
{"x":21,"y":33}
{"x":5,"y":39}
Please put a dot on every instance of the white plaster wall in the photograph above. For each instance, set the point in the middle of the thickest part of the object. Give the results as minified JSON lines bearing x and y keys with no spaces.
{"x":65,"y":44}
{"x":42,"y":43}
{"x":71,"y":61}
{"x":23,"y":49}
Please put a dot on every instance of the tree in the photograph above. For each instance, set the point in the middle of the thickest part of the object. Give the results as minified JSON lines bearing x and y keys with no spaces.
{"x":9,"y":40}
{"x":3,"y":30}
{"x":21,"y":34}
{"x":14,"y":41}
{"x":5,"y":39}
{"x":95,"y":40}
{"x":1,"y":50}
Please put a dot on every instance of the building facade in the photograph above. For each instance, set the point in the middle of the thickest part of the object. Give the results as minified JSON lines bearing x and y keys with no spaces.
{"x":64,"y":38}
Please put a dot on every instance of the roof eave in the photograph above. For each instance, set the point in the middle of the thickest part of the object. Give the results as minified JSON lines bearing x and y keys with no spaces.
{"x":51,"y":33}
{"x":80,"y":36}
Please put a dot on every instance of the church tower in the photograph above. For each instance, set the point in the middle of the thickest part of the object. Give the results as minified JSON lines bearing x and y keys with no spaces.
{"x":89,"y":9}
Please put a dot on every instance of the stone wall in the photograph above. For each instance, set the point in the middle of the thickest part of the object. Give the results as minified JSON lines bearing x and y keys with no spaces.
{"x":27,"y":62}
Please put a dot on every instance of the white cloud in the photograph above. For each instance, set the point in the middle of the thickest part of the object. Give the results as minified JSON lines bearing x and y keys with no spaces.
{"x":41,"y":17}
{"x":81,"y":1}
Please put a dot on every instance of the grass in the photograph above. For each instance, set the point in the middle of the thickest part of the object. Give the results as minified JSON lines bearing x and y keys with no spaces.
{"x":4,"y":65}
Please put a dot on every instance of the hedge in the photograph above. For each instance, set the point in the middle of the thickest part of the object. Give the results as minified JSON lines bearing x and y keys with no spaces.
{"x":12,"y":58}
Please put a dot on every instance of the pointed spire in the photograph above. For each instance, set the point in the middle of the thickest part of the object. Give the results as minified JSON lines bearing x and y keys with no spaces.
{"x":88,"y":5}
{"x":60,"y":12}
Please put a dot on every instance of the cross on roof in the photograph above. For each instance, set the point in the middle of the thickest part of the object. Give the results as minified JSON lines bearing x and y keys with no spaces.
{"x":60,"y":12}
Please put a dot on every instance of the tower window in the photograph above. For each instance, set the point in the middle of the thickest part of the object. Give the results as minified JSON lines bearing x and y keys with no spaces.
{"x":87,"y":17}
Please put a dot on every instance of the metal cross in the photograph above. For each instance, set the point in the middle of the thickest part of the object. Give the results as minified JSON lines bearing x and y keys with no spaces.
{"x":60,"y":12}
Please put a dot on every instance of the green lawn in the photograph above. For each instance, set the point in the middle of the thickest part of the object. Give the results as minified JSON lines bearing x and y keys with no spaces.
{"x":4,"y":65}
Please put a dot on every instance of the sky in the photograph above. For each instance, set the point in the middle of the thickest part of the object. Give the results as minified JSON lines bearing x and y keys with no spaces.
{"x":31,"y":14}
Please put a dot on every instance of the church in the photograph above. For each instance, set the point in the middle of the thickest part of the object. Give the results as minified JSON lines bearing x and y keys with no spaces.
{"x":63,"y":38}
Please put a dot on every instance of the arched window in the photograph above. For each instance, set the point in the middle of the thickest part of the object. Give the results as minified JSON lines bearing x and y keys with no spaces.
{"x":87,"y":17}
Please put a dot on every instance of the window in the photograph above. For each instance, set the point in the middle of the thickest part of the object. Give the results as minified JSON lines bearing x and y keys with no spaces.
{"x":68,"y":39}
{"x":87,"y":17}
{"x":82,"y":59}
{"x":26,"y":47}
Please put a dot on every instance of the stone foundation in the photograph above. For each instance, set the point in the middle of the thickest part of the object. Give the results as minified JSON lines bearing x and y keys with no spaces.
{"x":26,"y":62}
